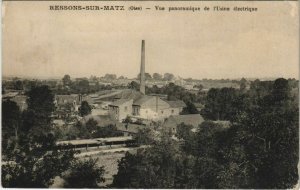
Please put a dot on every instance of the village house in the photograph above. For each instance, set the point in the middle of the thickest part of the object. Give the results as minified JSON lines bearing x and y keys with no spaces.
{"x":73,"y":99}
{"x":66,"y":105}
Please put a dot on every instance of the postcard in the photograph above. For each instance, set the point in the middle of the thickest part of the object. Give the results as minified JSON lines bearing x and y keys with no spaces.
{"x":150,"y":94}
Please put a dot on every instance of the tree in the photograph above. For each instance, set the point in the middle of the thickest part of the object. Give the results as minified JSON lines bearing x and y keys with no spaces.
{"x":281,"y":90}
{"x":207,"y":166}
{"x":37,"y":160}
{"x":243,"y":84}
{"x":144,"y":136}
{"x":199,"y":86}
{"x":157,"y":76}
{"x":91,"y":125}
{"x":276,"y":127}
{"x":189,"y":109}
{"x":188,"y":138}
{"x":224,"y":104}
{"x":110,"y":77}
{"x":265,"y":143}
{"x":160,"y":166}
{"x":66,"y":80}
{"x":147,"y":76}
{"x":37,"y":117}
{"x":78,"y":131}
{"x":134,"y":85}
{"x":127,"y":171}
{"x":11,"y":117}
{"x":259,"y":89}
{"x":19,"y":85}
{"x":85,"y":108}
{"x":168,"y":76}
{"x":83,"y":86}
{"x":84,"y":174}
{"x":3,"y":89}
{"x":106,"y":131}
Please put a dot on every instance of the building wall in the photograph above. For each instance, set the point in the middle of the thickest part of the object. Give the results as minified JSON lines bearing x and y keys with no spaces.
{"x":155,"y":109}
{"x":147,"y":113}
{"x":114,"y":112}
{"x":155,"y":103}
{"x":125,"y":110}
{"x":135,"y":110}
{"x":99,"y":111}
{"x":122,"y":111}
{"x":165,"y":113}
{"x":152,"y":109}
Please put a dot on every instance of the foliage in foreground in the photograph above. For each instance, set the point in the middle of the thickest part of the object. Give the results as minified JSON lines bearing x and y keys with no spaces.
{"x":260,"y":146}
{"x":29,"y":153}
{"x":84,"y":174}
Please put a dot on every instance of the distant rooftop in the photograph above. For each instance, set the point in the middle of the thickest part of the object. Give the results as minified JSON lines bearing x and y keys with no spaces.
{"x":142,"y":100}
{"x":176,"y":104}
{"x":191,"y":119}
{"x":119,"y":102}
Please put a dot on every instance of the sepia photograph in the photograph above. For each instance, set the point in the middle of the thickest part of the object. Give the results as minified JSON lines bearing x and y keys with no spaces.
{"x":150,"y":94}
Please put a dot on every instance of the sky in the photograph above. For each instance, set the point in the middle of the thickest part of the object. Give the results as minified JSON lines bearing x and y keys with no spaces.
{"x":41,"y":43}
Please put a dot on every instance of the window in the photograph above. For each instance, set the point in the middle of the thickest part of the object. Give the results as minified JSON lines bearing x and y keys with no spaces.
{"x":172,"y":111}
{"x":125,"y":108}
{"x":162,"y":112}
{"x":136,"y":111}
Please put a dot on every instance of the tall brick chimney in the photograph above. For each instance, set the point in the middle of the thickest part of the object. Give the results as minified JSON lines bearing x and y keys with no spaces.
{"x":142,"y":73}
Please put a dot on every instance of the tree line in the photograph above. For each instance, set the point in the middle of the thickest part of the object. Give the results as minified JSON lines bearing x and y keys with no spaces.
{"x":260,"y":145}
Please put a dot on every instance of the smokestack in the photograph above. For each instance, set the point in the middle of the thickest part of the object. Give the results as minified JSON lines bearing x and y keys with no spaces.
{"x":142,"y":73}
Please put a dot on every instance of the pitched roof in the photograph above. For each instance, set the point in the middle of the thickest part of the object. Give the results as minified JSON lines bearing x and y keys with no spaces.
{"x":119,"y":102}
{"x":191,"y":119}
{"x":118,"y":94}
{"x":129,"y":94}
{"x":94,"y":141}
{"x":115,"y":139}
{"x":142,"y":100}
{"x":108,"y":95}
{"x":176,"y":104}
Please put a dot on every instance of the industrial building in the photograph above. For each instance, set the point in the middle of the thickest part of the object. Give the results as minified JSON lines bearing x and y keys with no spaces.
{"x":138,"y":105}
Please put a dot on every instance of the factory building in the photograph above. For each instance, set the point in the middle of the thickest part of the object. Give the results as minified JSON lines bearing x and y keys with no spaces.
{"x":142,"y":106}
